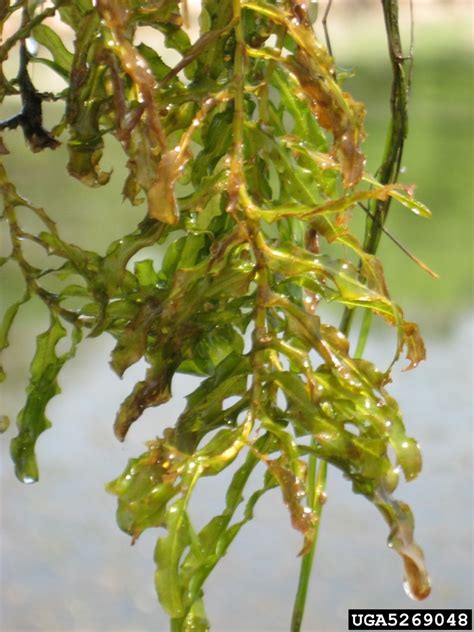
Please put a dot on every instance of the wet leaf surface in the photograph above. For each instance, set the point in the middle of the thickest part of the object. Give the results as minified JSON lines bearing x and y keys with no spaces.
{"x":43,"y":386}
{"x":246,"y":157}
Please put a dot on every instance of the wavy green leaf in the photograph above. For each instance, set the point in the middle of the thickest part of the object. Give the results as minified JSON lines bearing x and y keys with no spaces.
{"x":52,"y":41}
{"x":143,"y":490}
{"x":169,"y":549}
{"x":43,"y":386}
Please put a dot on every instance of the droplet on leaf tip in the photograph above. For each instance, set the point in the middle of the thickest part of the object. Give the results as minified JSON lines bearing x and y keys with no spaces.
{"x":28,"y":480}
{"x":417,"y":591}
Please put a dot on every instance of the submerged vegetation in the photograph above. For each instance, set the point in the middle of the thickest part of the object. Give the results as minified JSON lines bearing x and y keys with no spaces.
{"x":247,"y":158}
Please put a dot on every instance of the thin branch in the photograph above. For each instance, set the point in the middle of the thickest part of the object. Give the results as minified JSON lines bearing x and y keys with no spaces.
{"x":398,"y":128}
{"x":399,"y":244}
{"x":30,"y":273}
{"x":397,"y":132}
{"x":26,"y":28}
{"x":30,"y":119}
{"x":196,"y":49}
{"x":185,"y":13}
{"x":411,"y":54}
{"x":325,"y":27}
{"x":317,"y":495}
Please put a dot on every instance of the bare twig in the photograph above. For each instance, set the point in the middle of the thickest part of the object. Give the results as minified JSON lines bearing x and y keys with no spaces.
{"x":30,"y":119}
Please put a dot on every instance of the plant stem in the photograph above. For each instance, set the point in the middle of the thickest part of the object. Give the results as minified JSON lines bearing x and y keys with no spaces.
{"x":316,"y":488}
{"x":176,"y":625}
{"x":397,"y":132}
{"x":398,"y":127}
{"x":280,"y":33}
{"x":364,"y":333}
{"x":388,"y":172}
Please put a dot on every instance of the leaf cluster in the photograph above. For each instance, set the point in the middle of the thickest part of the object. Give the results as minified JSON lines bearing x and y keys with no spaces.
{"x":248,"y":154}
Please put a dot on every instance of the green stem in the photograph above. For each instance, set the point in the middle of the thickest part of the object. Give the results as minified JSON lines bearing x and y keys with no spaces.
{"x":364,"y":333}
{"x":238,"y":81}
{"x":316,"y":488}
{"x":280,"y":33}
{"x":388,"y":172}
{"x":346,"y":321}
{"x":196,"y":615}
{"x":176,"y":625}
{"x":398,"y":128}
{"x":389,"y":169}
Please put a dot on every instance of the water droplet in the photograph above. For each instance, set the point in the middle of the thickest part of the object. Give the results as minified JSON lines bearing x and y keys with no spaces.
{"x":407,"y":589}
{"x":412,"y":589}
{"x":310,"y":303}
{"x":28,"y":480}
{"x":327,"y":409}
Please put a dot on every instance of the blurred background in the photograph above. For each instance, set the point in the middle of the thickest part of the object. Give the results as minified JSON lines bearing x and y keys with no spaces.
{"x":64,"y":564}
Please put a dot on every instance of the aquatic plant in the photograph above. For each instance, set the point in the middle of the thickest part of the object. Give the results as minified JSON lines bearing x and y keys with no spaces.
{"x":246,"y":156}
